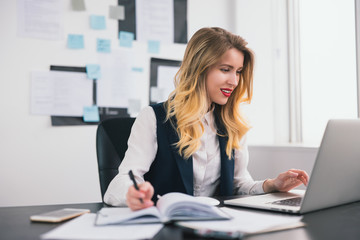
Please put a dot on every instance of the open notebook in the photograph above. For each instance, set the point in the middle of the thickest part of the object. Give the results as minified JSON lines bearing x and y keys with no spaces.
{"x":170,"y":207}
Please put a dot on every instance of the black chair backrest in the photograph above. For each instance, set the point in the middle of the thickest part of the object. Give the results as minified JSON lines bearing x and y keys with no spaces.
{"x":111,"y":144}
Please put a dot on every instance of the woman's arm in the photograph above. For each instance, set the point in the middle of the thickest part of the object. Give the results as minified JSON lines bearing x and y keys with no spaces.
{"x":286,"y":181}
{"x":142,"y":148}
{"x":243,"y":182}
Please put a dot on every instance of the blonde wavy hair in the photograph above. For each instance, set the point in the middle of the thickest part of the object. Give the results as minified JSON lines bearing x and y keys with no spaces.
{"x":189,"y":102}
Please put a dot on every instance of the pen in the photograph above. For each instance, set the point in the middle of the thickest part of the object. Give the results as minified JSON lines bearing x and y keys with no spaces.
{"x":131,"y":175}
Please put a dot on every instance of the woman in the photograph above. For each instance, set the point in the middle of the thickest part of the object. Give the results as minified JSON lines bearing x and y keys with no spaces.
{"x":195,"y":142}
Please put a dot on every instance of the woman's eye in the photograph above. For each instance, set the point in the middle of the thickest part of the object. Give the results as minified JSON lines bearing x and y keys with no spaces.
{"x":238,"y":72}
{"x":225,"y":69}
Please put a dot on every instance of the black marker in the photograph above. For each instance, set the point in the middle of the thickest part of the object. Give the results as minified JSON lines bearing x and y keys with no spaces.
{"x":131,"y":175}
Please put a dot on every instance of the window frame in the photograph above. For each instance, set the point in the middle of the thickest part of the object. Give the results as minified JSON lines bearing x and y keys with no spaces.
{"x":357,"y":35}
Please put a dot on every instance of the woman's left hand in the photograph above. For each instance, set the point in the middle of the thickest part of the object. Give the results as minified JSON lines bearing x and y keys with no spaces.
{"x":286,"y":181}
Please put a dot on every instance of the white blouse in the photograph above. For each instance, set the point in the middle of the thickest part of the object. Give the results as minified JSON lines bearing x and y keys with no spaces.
{"x":141,"y":152}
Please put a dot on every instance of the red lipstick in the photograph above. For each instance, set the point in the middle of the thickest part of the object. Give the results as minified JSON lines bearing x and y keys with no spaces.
{"x":226,"y":91}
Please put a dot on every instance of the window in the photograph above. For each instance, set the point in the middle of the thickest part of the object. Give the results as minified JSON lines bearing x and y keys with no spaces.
{"x":327,"y":64}
{"x":305,"y":67}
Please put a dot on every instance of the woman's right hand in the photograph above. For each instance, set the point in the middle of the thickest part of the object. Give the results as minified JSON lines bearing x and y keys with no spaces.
{"x":133,"y":196}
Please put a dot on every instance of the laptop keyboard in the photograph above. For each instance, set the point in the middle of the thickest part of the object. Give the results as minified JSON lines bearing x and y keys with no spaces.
{"x":289,"y":202}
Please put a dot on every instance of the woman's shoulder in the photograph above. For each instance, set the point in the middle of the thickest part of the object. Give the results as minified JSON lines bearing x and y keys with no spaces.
{"x":158,"y":106}
{"x":145,"y":118}
{"x":159,"y":110}
{"x":147,"y":111}
{"x":152,"y":111}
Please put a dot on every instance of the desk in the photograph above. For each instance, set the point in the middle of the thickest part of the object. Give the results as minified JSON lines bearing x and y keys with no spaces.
{"x":341,"y":222}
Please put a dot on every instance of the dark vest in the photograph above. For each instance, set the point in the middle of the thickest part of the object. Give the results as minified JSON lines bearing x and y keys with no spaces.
{"x":170,"y":172}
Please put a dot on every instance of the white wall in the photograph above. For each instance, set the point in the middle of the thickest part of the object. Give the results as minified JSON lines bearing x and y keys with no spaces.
{"x":41,"y":164}
{"x":269,"y":161}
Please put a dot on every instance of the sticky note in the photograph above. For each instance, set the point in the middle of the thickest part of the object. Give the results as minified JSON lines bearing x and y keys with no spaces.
{"x":97,"y":22}
{"x":126,"y":39}
{"x":117,"y":12}
{"x":153,"y":46}
{"x":75,"y":41}
{"x":134,"y":106}
{"x":137,"y":69}
{"x":103,"y":45}
{"x":78,"y":5}
{"x":91,"y":114}
{"x":93,"y":71}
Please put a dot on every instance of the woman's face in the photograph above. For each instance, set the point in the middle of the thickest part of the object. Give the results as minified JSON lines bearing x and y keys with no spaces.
{"x":223,"y":77}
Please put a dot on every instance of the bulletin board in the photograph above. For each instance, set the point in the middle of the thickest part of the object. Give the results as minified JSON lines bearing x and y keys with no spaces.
{"x":104,"y":112}
{"x":116,"y":76}
{"x":180,"y":19}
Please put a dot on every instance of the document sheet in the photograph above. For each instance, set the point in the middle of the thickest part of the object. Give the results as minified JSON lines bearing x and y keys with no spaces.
{"x":247,"y":222}
{"x":60,"y":93}
{"x":155,"y":21}
{"x":40,"y":19}
{"x":122,"y":79}
{"x":83,"y":228}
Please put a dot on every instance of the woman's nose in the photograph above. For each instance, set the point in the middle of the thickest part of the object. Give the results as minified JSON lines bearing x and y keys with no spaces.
{"x":234,"y":79}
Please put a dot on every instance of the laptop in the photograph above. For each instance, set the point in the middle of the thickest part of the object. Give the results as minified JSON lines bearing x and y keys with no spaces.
{"x":335,"y":178}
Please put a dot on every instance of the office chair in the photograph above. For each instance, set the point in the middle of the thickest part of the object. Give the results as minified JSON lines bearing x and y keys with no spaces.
{"x":111,"y":144}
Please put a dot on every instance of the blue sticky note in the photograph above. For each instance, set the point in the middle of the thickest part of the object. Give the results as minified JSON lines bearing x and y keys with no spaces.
{"x":153,"y":46}
{"x":103,"y":45}
{"x":97,"y":22}
{"x":126,"y":39}
{"x":137,"y":69}
{"x":91,"y":114}
{"x":93,"y":71}
{"x":75,"y":41}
